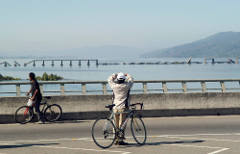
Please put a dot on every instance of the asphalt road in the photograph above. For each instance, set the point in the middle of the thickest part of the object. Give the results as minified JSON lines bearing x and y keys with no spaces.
{"x":173,"y":135}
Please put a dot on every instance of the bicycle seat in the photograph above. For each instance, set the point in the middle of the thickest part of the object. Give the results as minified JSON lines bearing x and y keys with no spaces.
{"x":48,"y":97}
{"x":110,"y":106}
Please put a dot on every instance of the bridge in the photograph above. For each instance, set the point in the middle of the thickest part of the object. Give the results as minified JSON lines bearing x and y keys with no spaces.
{"x":43,"y":61}
{"x":180,"y":118}
{"x":70,"y":62}
{"x":175,"y":135}
{"x":161,"y":97}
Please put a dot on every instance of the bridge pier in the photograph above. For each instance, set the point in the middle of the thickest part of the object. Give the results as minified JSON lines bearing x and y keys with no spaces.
{"x":88,"y":63}
{"x":16,"y":64}
{"x":43,"y":63}
{"x":52,"y":63}
{"x":70,"y":64}
{"x":97,"y":63}
{"x":213,"y":61}
{"x":79,"y":63}
{"x":34,"y":63}
{"x":61,"y":63}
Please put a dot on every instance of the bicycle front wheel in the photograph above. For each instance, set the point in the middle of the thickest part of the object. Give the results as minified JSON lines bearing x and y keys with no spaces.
{"x":53,"y":113}
{"x":138,"y":130}
{"x":23,"y":115}
{"x":103,"y":133}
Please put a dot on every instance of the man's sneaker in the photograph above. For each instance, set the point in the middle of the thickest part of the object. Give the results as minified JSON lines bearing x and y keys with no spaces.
{"x":41,"y":122}
{"x":116,"y":142}
{"x":123,"y":143}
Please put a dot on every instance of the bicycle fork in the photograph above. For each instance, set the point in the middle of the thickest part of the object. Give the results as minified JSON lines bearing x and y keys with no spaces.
{"x":26,"y":111}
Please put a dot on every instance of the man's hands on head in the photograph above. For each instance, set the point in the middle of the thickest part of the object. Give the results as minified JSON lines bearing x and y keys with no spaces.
{"x":114,"y":75}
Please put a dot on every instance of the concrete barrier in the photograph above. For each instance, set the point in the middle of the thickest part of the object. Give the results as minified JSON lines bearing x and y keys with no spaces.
{"x":169,"y":104}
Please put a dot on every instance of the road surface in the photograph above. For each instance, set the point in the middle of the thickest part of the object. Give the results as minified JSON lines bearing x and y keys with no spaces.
{"x":172,"y":135}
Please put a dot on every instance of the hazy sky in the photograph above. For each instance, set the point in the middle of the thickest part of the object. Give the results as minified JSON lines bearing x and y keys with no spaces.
{"x":51,"y":25}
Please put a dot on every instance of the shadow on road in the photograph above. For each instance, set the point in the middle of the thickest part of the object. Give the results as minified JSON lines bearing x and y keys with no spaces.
{"x":175,"y":142}
{"x":164,"y":142}
{"x":24,"y":145}
{"x":67,"y":121}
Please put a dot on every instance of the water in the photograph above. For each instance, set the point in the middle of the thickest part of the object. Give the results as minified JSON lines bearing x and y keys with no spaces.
{"x":139,"y":72}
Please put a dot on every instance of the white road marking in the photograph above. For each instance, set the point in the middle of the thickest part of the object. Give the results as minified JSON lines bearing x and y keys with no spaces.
{"x":56,"y":147}
{"x":209,"y":147}
{"x":47,"y":140}
{"x":218,"y":151}
{"x":211,"y":139}
{"x":208,"y":139}
{"x":154,"y":136}
{"x":197,"y":146}
{"x":225,"y":134}
{"x":179,"y":136}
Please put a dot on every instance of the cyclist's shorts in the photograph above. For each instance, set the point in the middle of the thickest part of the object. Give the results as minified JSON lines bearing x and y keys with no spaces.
{"x":119,"y":111}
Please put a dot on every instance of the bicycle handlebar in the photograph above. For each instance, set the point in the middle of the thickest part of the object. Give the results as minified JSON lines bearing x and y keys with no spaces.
{"x":141,"y":104}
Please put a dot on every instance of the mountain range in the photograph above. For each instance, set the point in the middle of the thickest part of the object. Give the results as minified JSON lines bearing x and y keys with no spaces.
{"x":224,"y":44}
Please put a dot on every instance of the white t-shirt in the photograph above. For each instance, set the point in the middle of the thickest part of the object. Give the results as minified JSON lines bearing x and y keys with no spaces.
{"x":120,"y":91}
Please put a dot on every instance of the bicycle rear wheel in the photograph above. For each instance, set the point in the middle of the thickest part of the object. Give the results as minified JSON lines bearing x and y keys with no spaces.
{"x":138,"y":130}
{"x":23,"y":115}
{"x":52,"y":112}
{"x":103,"y":133}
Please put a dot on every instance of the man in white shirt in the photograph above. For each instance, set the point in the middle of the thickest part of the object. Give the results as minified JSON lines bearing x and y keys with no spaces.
{"x":121,"y":85}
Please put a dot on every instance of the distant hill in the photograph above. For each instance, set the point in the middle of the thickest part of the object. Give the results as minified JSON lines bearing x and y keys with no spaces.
{"x":224,"y":44}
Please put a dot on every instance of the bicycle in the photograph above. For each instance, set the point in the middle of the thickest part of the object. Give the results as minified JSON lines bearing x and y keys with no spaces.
{"x":104,"y":131}
{"x":51,"y":113}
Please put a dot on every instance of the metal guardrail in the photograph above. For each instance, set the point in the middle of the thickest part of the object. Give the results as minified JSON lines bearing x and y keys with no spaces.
{"x":145,"y":88}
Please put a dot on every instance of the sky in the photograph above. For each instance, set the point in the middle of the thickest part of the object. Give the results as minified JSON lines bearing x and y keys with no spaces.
{"x":57,"y":25}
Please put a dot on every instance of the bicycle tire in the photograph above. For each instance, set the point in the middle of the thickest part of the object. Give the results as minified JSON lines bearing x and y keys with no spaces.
{"x":23,"y":114}
{"x":138,"y":125}
{"x":51,"y":115}
{"x":108,"y":132}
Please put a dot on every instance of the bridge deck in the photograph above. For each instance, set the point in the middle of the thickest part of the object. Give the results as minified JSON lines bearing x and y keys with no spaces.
{"x":177,"y":135}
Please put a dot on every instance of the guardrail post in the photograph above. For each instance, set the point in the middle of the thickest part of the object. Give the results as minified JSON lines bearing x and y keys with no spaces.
{"x":223,"y":86}
{"x":145,"y":88}
{"x":84,"y":89}
{"x":104,"y":86}
{"x":18,"y":90}
{"x":204,"y":88}
{"x":184,"y":86}
{"x":164,"y":86}
{"x":62,"y":88}
{"x":41,"y":88}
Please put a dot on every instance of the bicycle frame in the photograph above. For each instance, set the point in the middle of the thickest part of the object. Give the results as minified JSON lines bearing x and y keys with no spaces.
{"x":130,"y":114}
{"x":45,"y":105}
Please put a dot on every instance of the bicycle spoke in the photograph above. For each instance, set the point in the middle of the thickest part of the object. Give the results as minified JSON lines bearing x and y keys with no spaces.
{"x":53,"y":112}
{"x":103,"y":133}
{"x":23,"y":115}
{"x":138,"y":130}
